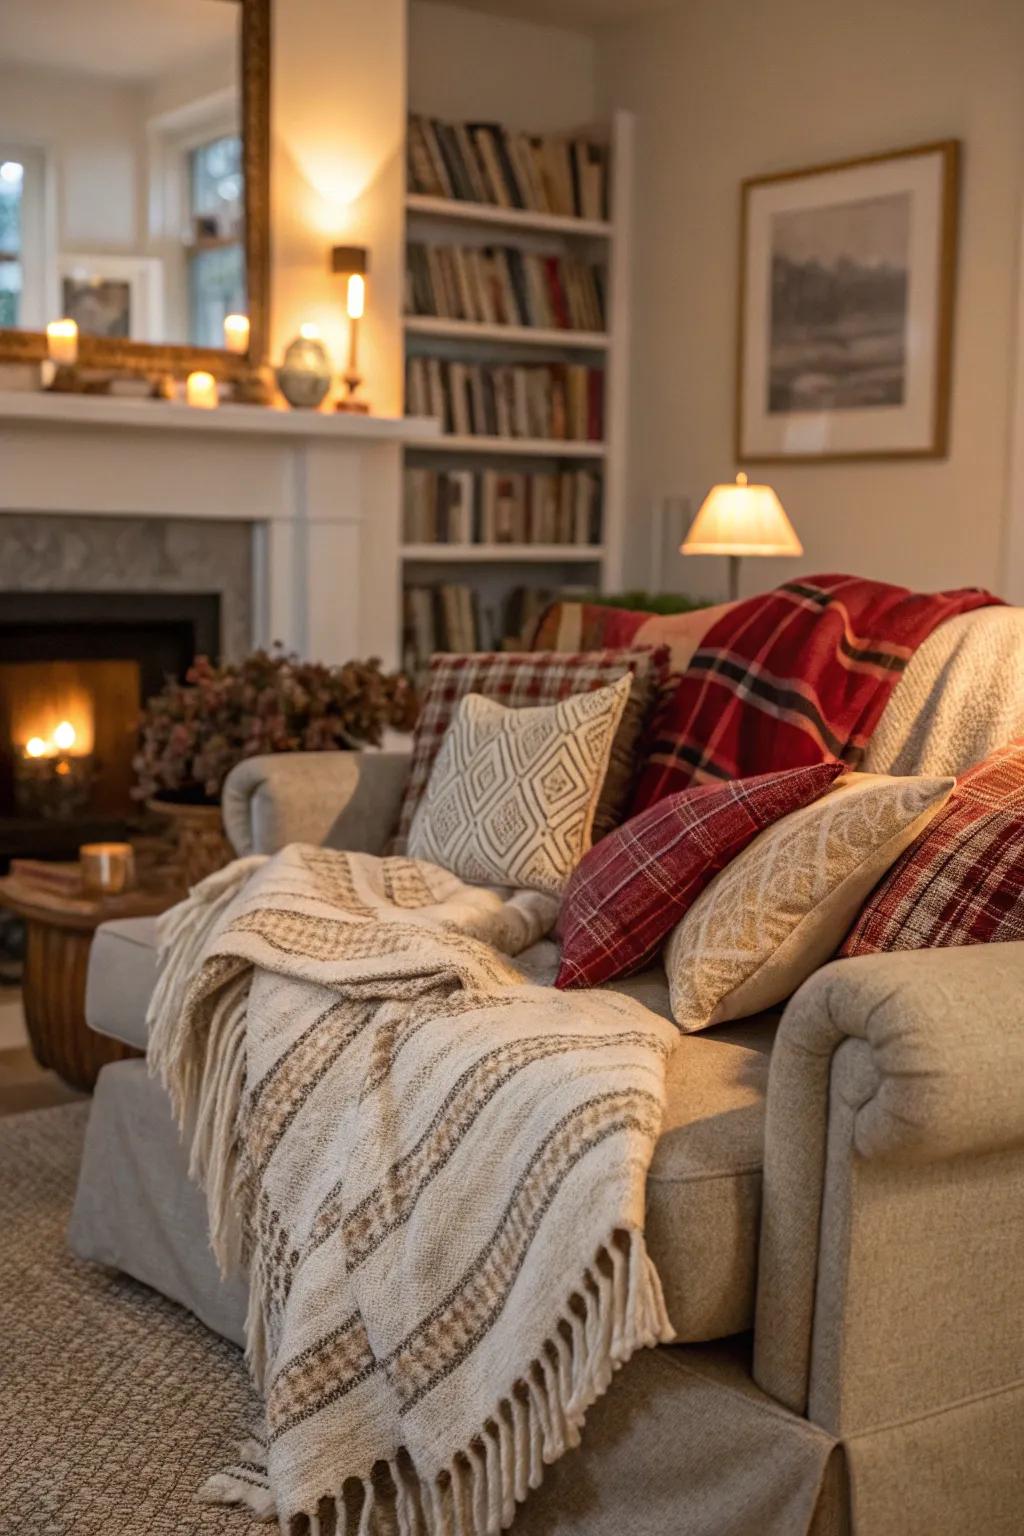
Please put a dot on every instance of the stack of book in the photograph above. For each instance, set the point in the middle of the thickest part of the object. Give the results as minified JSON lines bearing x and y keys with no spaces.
{"x":485,"y":163}
{"x":451,"y":617}
{"x":501,"y":285}
{"x":553,"y":401}
{"x":500,"y":507}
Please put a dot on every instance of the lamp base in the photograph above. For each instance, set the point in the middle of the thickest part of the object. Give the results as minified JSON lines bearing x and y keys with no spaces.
{"x":734,"y":578}
{"x":357,"y":407}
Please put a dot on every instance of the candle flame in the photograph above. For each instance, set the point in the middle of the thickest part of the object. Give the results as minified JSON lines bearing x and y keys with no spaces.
{"x":35,"y":747}
{"x":65,"y":736}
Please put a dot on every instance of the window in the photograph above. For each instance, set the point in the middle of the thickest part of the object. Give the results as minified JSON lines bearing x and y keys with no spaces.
{"x":12,"y":176}
{"x":216,"y":256}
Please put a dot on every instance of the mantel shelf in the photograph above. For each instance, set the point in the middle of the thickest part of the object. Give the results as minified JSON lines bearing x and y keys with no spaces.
{"x":175,"y":416}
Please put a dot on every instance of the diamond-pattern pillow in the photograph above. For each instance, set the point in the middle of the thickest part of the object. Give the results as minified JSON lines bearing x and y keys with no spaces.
{"x":962,"y":882}
{"x":521,"y":679}
{"x":512,"y":795}
{"x":633,"y":887}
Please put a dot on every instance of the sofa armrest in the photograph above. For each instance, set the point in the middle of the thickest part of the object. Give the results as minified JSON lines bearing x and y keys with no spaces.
{"x":894,"y":1161}
{"x":338,"y":799}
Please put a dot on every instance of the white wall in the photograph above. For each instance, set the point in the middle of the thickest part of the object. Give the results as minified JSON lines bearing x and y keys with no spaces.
{"x":92,"y":128}
{"x":466,"y":65}
{"x":338,"y":127}
{"x":725,"y":89}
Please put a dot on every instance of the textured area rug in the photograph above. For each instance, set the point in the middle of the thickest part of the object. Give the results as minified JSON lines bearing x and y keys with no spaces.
{"x":114,"y":1403}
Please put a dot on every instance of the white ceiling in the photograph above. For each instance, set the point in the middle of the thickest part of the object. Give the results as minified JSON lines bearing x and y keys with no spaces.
{"x":582,"y":14}
{"x":127,"y":40}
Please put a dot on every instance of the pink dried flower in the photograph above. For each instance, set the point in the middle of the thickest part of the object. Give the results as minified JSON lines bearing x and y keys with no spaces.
{"x":192,"y":734}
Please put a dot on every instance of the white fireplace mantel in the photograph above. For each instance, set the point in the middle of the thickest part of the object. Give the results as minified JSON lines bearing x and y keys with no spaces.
{"x":322,"y":493}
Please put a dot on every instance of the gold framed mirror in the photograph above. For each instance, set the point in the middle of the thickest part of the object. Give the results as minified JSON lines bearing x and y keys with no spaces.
{"x":135,"y":181}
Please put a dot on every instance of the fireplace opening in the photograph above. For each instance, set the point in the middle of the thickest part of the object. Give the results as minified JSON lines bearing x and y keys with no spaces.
{"x":75,"y":668}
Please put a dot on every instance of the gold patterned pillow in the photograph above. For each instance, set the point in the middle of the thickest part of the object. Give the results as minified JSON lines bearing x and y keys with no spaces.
{"x":783,"y":907}
{"x":512,"y":794}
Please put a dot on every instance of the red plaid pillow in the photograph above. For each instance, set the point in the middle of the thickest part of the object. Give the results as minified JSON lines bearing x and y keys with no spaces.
{"x":962,"y":881}
{"x":520,"y":678}
{"x":628,"y":893}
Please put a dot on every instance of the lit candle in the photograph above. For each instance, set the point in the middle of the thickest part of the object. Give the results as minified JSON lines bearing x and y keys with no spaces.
{"x":236,"y":333}
{"x":62,"y":342}
{"x":355,"y":295}
{"x":201,"y":390}
{"x":107,"y":868}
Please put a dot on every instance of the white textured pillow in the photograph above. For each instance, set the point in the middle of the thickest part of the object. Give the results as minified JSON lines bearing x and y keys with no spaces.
{"x":512,"y":794}
{"x":781,"y":909}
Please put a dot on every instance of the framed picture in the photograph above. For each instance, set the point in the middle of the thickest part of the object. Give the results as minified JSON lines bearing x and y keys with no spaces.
{"x":846,"y":308}
{"x":115,"y":296}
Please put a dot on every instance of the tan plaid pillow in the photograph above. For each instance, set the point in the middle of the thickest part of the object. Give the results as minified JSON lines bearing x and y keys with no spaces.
{"x":518,"y":679}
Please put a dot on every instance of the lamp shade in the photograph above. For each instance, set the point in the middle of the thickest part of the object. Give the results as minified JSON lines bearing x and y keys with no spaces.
{"x":346,"y":259}
{"x":741,"y":519}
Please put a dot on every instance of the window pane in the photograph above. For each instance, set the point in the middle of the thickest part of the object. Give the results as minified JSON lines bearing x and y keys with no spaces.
{"x":216,"y":289}
{"x":11,"y":177}
{"x":217,"y":186}
{"x":10,"y":293}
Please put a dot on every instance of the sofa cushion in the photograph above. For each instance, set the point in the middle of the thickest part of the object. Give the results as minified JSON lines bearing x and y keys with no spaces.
{"x":704,"y":1185}
{"x":122,"y":975}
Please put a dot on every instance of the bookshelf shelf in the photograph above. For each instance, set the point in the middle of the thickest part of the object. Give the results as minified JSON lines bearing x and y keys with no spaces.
{"x":541,"y":554}
{"x":532,"y":447}
{"x":462,"y":258}
{"x":519,"y":335}
{"x":510,"y":218}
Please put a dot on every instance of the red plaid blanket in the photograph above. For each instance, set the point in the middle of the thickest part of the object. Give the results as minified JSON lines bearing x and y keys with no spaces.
{"x":794,"y":677}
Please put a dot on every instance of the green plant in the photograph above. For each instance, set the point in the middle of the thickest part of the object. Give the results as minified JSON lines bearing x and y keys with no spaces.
{"x":648,"y":602}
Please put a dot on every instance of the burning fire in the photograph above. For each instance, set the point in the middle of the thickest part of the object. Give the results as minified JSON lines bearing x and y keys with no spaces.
{"x":63,"y":740}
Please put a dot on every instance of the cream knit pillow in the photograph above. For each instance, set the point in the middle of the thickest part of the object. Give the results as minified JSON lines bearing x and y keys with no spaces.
{"x":512,"y":794}
{"x":781,"y":909}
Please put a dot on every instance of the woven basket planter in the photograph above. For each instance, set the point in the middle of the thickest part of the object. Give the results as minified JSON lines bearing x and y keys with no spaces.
{"x":201,"y":847}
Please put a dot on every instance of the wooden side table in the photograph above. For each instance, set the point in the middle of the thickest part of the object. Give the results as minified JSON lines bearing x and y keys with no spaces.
{"x":59,"y":932}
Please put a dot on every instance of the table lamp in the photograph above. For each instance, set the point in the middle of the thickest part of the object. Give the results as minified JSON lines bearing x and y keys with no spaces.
{"x":740,"y":519}
{"x":352,"y":262}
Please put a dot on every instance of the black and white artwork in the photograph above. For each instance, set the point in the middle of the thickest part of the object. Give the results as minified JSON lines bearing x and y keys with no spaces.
{"x":839,"y":306}
{"x":846,"y":304}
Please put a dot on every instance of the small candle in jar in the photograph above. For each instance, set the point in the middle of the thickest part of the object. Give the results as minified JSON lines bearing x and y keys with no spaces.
{"x":201,"y":390}
{"x":62,"y":342}
{"x":236,"y":333}
{"x":108,"y":869}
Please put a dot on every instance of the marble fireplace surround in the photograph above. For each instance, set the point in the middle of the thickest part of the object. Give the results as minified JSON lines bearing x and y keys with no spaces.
{"x":293,"y":518}
{"x":43,"y":552}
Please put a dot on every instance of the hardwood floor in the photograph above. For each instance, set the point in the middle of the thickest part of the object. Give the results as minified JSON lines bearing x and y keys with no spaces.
{"x":24,"y":1084}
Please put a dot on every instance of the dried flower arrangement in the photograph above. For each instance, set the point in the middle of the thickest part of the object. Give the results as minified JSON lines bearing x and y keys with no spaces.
{"x":191,"y":734}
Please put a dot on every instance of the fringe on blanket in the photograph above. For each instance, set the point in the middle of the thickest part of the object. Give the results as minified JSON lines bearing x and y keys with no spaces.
{"x":618,"y":1309}
{"x":178,"y":1054}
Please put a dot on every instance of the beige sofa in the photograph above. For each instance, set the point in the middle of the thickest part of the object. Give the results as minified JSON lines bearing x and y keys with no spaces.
{"x":836,"y":1207}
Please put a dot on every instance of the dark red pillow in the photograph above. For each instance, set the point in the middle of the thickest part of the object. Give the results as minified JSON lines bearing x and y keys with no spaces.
{"x":627,"y":894}
{"x":962,"y":881}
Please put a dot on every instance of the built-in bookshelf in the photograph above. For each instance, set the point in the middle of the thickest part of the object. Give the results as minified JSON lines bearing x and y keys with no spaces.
{"x":516,"y":330}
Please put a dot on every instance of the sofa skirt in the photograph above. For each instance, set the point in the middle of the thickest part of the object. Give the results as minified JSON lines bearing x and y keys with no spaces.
{"x":682,"y":1444}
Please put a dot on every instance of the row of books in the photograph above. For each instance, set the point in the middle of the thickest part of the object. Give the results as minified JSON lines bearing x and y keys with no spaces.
{"x":456,"y":617}
{"x":501,"y":507}
{"x":560,"y":402}
{"x":485,"y":163}
{"x":501,"y":285}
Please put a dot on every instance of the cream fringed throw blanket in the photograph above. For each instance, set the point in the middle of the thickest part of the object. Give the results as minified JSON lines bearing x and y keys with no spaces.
{"x":434,"y":1170}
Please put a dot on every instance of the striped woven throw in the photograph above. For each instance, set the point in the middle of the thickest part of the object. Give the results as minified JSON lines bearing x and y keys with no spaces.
{"x":434,"y":1171}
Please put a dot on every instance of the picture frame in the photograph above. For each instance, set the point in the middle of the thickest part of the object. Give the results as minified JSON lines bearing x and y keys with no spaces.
{"x":846,"y":297}
{"x":117,"y":297}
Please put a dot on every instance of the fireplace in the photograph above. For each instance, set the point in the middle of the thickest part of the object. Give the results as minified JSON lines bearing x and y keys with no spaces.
{"x":74,"y":669}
